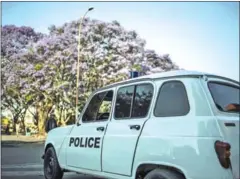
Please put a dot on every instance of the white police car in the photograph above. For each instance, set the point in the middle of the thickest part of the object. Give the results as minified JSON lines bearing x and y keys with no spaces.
{"x":171,"y":125}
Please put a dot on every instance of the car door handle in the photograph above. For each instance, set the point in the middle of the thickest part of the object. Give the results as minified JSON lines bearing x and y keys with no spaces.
{"x":137,"y":127}
{"x":100,"y":128}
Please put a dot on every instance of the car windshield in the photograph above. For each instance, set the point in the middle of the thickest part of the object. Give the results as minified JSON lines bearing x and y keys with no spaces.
{"x":225,"y":96}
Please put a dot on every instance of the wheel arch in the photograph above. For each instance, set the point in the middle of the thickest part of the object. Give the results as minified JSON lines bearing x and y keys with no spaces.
{"x":48,"y":146}
{"x":146,"y":167}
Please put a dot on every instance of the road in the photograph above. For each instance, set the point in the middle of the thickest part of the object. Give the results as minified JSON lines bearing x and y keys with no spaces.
{"x":23,"y":161}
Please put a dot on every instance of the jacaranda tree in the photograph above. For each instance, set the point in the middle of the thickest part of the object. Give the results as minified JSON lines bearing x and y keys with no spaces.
{"x":45,"y":67}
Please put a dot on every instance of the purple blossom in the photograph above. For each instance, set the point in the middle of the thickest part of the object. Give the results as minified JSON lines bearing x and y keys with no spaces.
{"x":42,"y":62}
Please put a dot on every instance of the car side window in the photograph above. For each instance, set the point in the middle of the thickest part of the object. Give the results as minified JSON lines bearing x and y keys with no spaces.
{"x":142,"y":100}
{"x":124,"y":102}
{"x":133,"y":101}
{"x":172,"y":100}
{"x":99,"y":107}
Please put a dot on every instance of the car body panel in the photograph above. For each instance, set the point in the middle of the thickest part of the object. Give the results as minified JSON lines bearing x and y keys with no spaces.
{"x":192,"y":136}
{"x":230,"y":133}
{"x":85,"y":157}
{"x":56,"y":138}
{"x":121,"y":139}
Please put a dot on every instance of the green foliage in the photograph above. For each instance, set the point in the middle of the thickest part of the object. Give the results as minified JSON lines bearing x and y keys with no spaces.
{"x":5,"y":120}
{"x":38,"y":66}
{"x":105,"y":107}
{"x":137,"y":67}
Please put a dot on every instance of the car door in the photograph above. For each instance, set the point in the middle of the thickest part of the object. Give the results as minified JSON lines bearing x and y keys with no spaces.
{"x":85,"y":140}
{"x":132,"y":106}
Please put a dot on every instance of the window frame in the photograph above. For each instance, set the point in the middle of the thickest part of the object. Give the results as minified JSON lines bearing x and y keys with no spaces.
{"x":91,"y":97}
{"x":158,"y":95}
{"x":151,"y":101}
{"x":212,"y":98}
{"x":132,"y":102}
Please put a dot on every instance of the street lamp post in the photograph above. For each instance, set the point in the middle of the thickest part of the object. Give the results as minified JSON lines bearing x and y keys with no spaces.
{"x":79,"y":45}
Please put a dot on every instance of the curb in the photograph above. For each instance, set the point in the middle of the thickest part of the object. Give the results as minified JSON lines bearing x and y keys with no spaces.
{"x":13,"y":142}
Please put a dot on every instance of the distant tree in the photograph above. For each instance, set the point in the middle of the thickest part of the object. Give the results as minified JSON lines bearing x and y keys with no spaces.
{"x":14,"y":41}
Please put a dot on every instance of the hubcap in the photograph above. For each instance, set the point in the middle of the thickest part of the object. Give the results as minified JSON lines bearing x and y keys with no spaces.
{"x":51,"y":161}
{"x":49,"y":166}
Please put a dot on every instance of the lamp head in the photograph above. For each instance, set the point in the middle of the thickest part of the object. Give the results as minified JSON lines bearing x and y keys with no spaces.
{"x":91,"y":8}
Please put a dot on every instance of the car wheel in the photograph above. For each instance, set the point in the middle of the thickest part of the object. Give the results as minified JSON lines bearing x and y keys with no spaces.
{"x":52,"y":169}
{"x":163,"y":174}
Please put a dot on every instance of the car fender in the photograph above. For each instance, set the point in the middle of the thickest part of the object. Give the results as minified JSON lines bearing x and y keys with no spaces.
{"x":56,"y":137}
{"x":159,"y":163}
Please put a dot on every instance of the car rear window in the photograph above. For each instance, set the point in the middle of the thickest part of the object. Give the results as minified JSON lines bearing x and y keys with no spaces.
{"x":224,"y":95}
{"x":172,"y":100}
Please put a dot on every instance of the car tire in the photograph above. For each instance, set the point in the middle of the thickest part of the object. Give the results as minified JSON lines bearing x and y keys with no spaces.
{"x":52,"y":169}
{"x":163,"y":174}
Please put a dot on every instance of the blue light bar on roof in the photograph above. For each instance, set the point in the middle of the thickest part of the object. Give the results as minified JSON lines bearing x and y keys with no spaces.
{"x":134,"y":74}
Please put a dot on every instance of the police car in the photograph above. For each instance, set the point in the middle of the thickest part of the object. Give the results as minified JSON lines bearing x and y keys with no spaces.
{"x":170,"y":125}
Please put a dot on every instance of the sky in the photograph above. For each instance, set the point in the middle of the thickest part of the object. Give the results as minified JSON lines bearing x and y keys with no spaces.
{"x":199,"y":36}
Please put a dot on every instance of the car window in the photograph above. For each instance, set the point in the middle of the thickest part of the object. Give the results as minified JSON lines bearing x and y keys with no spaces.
{"x":224,"y":95}
{"x":142,"y":100}
{"x":99,"y":107}
{"x":133,"y":101}
{"x":172,"y":100}
{"x":105,"y":107}
{"x":124,"y":102}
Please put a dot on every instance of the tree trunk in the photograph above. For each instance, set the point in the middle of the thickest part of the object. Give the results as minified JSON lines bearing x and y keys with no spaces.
{"x":41,"y":121}
{"x":23,"y":120}
{"x":42,"y":111}
{"x":24,"y":126}
{"x":15,"y":120}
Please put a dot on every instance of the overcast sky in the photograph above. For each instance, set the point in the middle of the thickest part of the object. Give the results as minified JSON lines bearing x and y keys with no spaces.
{"x":202,"y":36}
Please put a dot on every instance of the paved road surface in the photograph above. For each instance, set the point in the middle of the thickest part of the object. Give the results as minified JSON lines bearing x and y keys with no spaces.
{"x":22,"y":161}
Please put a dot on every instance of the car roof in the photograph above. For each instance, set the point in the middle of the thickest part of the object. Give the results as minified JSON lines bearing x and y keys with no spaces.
{"x":167,"y":74}
{"x":173,"y":73}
